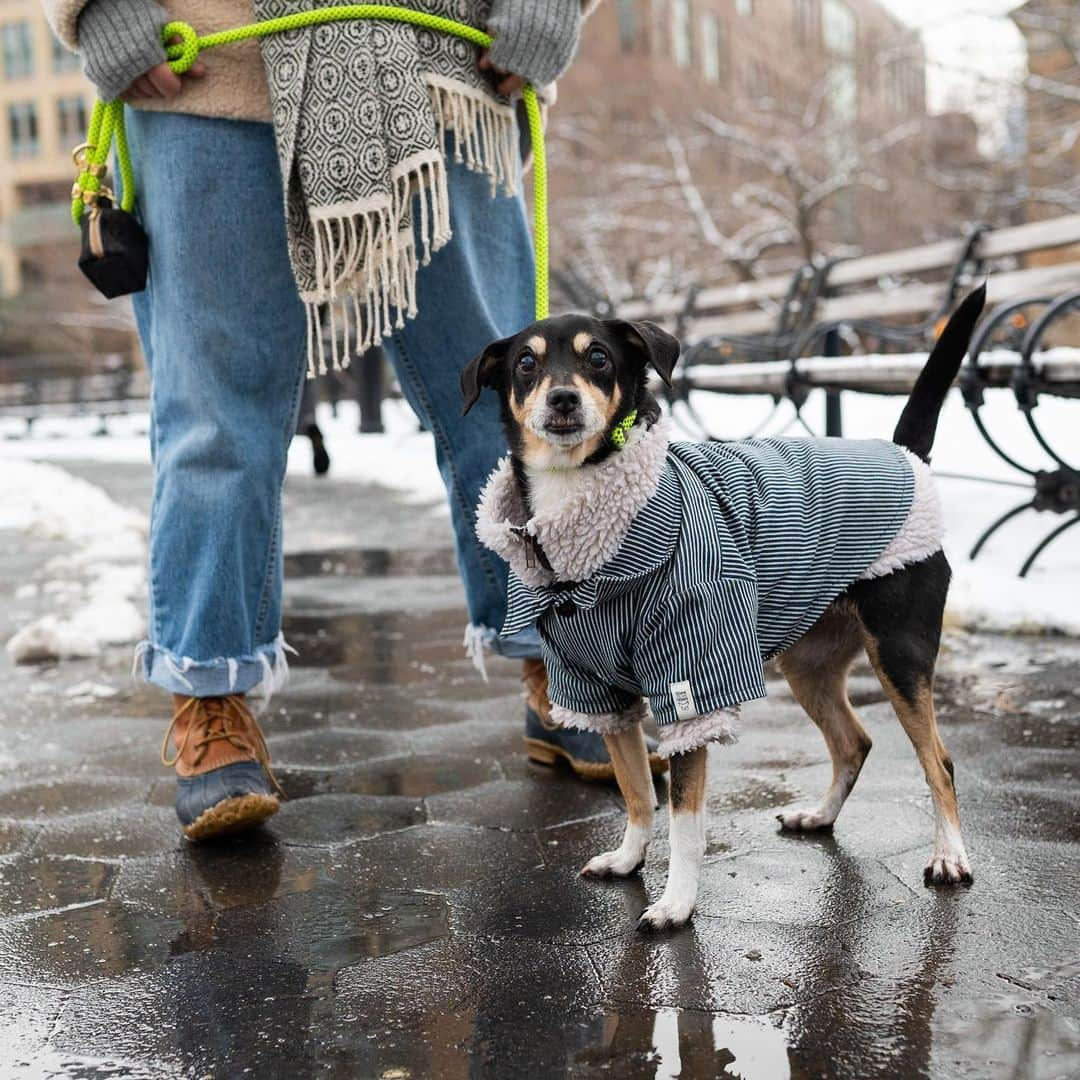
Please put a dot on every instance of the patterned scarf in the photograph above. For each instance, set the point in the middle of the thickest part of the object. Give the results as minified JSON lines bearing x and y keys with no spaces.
{"x":361,"y":114}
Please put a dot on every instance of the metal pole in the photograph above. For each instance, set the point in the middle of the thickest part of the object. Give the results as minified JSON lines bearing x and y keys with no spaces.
{"x":369,"y":390}
{"x":834,"y":419}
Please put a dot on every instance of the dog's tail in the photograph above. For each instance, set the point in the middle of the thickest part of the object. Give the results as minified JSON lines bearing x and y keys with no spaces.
{"x":918,"y":422}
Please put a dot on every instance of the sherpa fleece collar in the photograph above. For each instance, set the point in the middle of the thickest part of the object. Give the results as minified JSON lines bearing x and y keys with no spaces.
{"x":589,"y":528}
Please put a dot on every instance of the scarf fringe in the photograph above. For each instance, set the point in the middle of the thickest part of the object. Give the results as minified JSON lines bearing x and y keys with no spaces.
{"x":366,"y":256}
{"x":484,"y":131}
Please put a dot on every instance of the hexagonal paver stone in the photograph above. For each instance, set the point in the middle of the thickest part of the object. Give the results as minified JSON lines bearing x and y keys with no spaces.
{"x":98,"y":941}
{"x":29,"y":884}
{"x":524,"y":804}
{"x":335,"y":819}
{"x":65,"y":796}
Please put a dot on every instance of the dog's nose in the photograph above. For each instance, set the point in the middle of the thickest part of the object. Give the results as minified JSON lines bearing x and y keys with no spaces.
{"x":563,"y":400}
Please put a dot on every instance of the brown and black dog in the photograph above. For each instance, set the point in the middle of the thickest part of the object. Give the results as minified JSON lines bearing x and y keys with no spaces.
{"x":563,"y":384}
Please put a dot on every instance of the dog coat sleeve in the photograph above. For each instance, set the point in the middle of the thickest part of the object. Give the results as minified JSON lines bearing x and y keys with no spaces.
{"x":579,"y":691}
{"x":701,"y":654}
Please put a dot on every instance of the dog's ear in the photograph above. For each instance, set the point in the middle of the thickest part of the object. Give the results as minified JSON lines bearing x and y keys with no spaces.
{"x":660,"y":348}
{"x":479,"y":371}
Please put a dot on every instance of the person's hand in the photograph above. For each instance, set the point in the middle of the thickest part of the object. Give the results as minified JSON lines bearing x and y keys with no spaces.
{"x":161,"y":81}
{"x":505,"y":82}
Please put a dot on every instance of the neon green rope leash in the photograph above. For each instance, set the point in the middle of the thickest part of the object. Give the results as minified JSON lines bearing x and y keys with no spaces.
{"x":107,"y":120}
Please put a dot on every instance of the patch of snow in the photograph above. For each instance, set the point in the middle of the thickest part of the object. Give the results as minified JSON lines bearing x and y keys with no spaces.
{"x":96,"y":588}
{"x":90,"y":691}
{"x":402,"y":457}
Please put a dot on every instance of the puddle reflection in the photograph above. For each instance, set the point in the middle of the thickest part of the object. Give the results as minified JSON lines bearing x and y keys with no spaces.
{"x":47,"y":1065}
{"x":370,"y":562}
{"x":1015,"y":1039}
{"x":384,"y":648}
{"x":305,"y":914}
{"x":663,"y":1044}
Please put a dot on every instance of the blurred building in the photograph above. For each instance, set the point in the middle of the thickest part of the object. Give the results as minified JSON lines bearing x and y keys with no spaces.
{"x":724,"y":137}
{"x":45,"y":104}
{"x":49,"y":313}
{"x":1051,"y":161}
{"x":817,"y":140}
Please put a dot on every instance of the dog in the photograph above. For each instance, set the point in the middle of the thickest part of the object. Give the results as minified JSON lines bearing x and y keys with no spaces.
{"x":663,"y":572}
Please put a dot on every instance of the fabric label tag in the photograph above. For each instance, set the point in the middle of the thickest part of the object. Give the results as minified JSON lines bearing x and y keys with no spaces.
{"x":683,"y":695}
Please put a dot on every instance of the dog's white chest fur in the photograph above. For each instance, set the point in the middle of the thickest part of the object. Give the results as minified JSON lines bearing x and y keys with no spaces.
{"x":551,"y":489}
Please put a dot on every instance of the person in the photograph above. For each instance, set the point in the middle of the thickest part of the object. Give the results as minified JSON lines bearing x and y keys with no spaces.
{"x":227,"y":327}
{"x":307,"y":423}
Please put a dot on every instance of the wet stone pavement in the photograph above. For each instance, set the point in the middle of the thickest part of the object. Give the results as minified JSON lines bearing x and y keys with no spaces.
{"x":415,"y":910}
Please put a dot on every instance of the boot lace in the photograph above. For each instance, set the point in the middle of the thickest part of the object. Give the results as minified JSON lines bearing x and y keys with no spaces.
{"x":216,"y":720}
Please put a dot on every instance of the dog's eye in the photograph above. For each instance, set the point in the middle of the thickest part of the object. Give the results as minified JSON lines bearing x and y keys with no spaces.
{"x":526,"y":363}
{"x":598,"y":357}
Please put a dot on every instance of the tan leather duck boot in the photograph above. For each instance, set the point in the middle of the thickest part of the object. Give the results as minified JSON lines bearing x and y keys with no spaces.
{"x":223,"y":778}
{"x":546,"y":743}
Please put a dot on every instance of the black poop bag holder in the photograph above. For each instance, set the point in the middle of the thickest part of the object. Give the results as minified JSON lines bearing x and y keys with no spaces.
{"x":114,"y":253}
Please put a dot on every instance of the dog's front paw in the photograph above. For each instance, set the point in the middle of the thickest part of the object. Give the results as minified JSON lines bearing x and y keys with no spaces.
{"x":668,"y":913}
{"x":803,"y":821}
{"x":951,"y":868}
{"x":618,"y":863}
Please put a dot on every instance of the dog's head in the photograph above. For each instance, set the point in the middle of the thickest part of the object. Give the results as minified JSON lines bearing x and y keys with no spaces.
{"x":565,"y":383}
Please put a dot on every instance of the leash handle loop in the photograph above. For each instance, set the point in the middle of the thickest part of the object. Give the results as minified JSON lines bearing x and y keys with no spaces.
{"x":181,"y":54}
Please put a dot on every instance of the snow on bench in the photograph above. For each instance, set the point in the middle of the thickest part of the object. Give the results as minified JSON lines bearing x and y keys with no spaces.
{"x":893,"y":373}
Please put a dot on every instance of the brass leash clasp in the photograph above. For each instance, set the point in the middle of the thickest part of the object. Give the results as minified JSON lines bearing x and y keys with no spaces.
{"x":89,"y":195}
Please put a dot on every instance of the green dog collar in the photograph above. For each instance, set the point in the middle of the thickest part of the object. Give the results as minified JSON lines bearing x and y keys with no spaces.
{"x":622,"y":429}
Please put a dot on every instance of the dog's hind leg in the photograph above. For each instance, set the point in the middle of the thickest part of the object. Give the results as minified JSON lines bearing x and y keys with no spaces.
{"x":630,"y":758}
{"x":816,"y":668}
{"x":901,"y":614}
{"x":687,"y":836}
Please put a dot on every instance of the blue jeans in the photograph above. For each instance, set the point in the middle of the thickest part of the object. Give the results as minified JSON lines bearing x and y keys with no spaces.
{"x":224,"y":335}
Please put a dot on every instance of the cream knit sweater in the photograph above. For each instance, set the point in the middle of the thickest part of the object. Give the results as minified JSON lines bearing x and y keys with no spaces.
{"x":234,"y":85}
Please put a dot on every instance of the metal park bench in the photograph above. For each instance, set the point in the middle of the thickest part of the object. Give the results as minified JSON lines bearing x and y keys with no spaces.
{"x":35,"y":386}
{"x":761,"y":320}
{"x":872,"y":321}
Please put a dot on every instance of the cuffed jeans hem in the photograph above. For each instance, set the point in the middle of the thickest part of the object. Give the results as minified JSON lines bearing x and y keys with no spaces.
{"x":260,"y":673}
{"x":685,"y":736}
{"x":524,"y":645}
{"x":600,"y":723}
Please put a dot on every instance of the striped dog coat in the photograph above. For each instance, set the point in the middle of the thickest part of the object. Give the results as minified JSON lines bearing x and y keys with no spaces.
{"x":677,"y":569}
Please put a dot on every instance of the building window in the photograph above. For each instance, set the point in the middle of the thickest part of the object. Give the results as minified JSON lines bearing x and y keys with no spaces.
{"x":18,"y":50}
{"x":71,"y":119}
{"x":656,"y":27}
{"x":841,"y":92}
{"x":710,"y":48}
{"x":870,"y":69}
{"x":756,"y":80}
{"x":903,"y":90}
{"x":838,"y":28}
{"x":680,"y":33}
{"x":839,"y":33}
{"x":627,"y":24}
{"x":62,"y":59}
{"x":806,"y":21}
{"x":916,"y":89}
{"x":23,"y":129}
{"x":744,"y":7}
